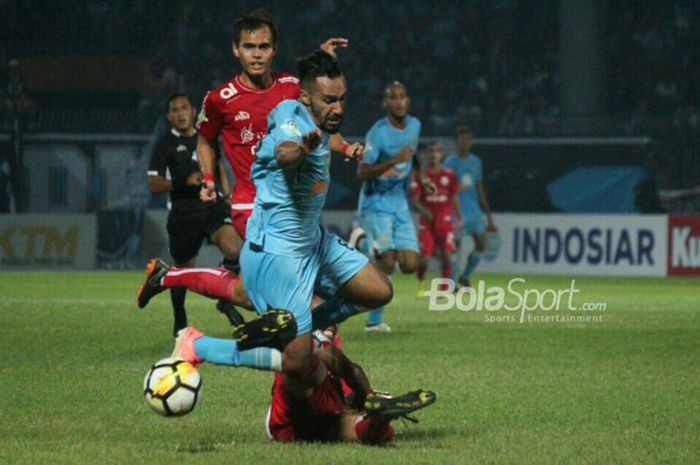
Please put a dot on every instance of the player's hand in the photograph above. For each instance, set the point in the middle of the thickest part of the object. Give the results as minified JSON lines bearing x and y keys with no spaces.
{"x":404,"y":155}
{"x":194,"y":179}
{"x":354,"y":151}
{"x":427,"y":214}
{"x":331,"y":44}
{"x":208,"y":191}
{"x":490,"y":226}
{"x":311,"y":140}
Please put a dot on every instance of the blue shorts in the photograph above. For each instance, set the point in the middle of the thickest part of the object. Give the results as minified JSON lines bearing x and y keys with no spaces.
{"x":390,"y":231}
{"x":288,"y":283}
{"x":473,"y":223}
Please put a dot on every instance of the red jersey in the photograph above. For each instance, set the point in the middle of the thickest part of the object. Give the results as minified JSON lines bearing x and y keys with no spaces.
{"x":441,"y":203}
{"x":316,"y":418}
{"x":239,"y":114}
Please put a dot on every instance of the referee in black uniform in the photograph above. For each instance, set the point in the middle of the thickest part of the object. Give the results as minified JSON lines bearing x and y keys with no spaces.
{"x":174,"y":168}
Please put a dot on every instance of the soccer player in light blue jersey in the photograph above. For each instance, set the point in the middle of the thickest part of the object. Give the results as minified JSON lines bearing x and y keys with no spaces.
{"x":288,"y":256}
{"x":287,"y":252}
{"x":472,"y":199}
{"x":383,"y":206}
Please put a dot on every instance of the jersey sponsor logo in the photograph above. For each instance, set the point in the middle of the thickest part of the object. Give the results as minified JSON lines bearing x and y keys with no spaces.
{"x":467,"y":180}
{"x":290,"y":128}
{"x":247,"y":134}
{"x":228,"y":91}
{"x":444,"y":180}
{"x":181,"y":148}
{"x":241,"y":116}
{"x":319,"y":187}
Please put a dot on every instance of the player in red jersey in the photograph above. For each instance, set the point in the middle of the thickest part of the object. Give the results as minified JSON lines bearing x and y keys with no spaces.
{"x":319,"y":411}
{"x":237,"y":110}
{"x":437,"y":213}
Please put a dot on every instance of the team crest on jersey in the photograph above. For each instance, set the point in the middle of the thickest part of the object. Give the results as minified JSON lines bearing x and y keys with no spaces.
{"x":290,"y":128}
{"x":444,"y":180}
{"x":467,"y":180}
{"x":247,"y":134}
{"x":241,"y":115}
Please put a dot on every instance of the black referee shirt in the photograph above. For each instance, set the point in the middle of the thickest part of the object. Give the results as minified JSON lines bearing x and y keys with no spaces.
{"x":174,"y":157}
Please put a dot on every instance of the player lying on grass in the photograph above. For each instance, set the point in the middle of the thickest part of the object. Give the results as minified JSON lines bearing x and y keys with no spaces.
{"x":313,"y":407}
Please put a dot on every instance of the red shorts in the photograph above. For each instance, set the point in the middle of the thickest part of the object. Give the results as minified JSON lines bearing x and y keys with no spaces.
{"x":240,"y":220}
{"x":316,"y":418}
{"x":431,"y":238}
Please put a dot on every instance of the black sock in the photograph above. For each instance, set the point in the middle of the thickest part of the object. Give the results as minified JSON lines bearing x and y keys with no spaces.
{"x":177,"y":297}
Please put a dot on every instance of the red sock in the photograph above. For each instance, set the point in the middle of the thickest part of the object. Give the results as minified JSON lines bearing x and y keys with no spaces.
{"x":374,"y":431}
{"x":216,"y":283}
{"x":422,"y":269}
{"x":447,"y":269}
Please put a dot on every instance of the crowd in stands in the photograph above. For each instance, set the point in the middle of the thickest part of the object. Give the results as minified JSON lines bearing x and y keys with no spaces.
{"x":492,"y":64}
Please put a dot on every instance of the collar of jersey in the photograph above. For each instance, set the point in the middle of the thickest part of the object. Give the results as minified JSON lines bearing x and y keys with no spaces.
{"x":257,"y":91}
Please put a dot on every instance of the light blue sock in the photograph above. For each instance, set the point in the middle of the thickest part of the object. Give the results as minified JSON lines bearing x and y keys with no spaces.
{"x":376,"y":316}
{"x":331,"y":312}
{"x":472,"y":262}
{"x":225,"y":352}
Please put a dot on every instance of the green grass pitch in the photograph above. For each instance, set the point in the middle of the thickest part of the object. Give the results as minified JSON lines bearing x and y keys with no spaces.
{"x":624,"y":390}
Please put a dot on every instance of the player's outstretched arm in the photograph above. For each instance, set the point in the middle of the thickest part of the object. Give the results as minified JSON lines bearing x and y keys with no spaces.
{"x":367,"y":171}
{"x":290,"y":154}
{"x":354,"y":151}
{"x":352,"y":373}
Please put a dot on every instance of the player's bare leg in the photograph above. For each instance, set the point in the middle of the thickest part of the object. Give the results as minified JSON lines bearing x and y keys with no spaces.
{"x":408,"y":261}
{"x":369,"y":288}
{"x":386,"y":261}
{"x":473,"y":259}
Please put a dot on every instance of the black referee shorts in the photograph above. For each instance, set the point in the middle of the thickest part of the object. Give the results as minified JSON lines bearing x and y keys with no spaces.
{"x":186,"y":230}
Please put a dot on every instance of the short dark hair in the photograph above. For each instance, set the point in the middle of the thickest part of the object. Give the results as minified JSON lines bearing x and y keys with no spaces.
{"x":317,"y":64}
{"x":252,"y":21}
{"x":175,"y":96}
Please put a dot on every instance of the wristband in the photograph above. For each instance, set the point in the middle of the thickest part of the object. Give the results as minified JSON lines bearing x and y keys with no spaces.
{"x":345,"y":148}
{"x":208,"y":177}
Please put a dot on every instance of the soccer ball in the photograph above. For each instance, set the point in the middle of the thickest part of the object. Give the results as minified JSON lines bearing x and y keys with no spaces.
{"x":172,"y":386}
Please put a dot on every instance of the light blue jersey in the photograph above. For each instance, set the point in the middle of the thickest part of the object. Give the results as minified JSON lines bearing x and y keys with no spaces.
{"x":287,"y":253}
{"x":469,"y":172}
{"x":388,"y":192}
{"x":288,"y":206}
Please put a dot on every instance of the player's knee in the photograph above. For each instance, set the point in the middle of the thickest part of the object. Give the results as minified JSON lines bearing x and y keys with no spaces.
{"x":383,"y":293}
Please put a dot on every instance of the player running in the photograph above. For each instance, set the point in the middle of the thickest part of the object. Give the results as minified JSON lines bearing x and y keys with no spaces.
{"x":238,"y":109}
{"x":383,"y":207}
{"x":174,"y":169}
{"x":288,"y":255}
{"x":437,"y":213}
{"x":314,"y":408}
{"x":472,"y":198}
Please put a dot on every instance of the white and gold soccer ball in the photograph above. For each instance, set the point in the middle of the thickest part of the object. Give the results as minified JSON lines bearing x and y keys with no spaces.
{"x":172,"y":386}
